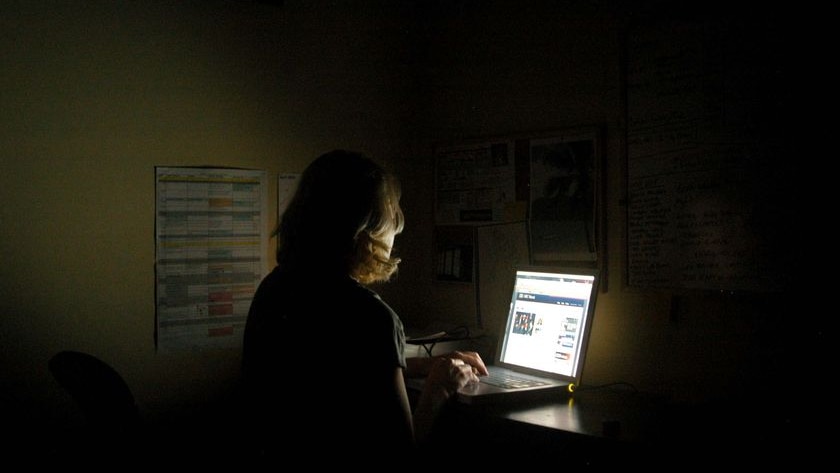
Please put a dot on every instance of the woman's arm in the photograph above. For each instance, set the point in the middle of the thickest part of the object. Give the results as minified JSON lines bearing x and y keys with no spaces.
{"x":405,"y":404}
{"x":420,"y":366}
{"x":445,"y":377}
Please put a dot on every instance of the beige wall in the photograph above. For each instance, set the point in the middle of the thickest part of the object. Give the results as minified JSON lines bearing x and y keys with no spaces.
{"x":94,"y":95}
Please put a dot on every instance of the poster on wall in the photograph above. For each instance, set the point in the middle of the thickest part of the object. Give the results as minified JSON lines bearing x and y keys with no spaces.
{"x":710,"y":174}
{"x":475,"y":183}
{"x":210,"y":254}
{"x":286,"y":186}
{"x":564,"y":187}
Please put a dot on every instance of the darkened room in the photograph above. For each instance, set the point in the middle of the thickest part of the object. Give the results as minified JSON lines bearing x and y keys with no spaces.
{"x":703,"y":339}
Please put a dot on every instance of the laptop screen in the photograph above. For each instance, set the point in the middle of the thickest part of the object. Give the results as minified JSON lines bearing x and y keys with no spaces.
{"x":549,"y":321}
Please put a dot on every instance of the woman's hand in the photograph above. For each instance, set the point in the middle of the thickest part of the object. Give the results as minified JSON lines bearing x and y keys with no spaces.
{"x":471,"y":358}
{"x":421,"y":366}
{"x":445,"y":376}
{"x":450,"y":374}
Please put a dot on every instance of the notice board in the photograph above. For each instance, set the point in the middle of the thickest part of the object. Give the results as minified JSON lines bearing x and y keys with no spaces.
{"x":551,"y":179}
{"x":706,"y":154}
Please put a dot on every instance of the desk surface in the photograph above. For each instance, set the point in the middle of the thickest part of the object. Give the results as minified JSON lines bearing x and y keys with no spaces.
{"x":600,"y":413}
{"x":613,"y":427}
{"x":598,"y":427}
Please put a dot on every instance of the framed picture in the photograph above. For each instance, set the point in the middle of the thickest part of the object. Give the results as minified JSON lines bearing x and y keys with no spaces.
{"x":565,"y":197}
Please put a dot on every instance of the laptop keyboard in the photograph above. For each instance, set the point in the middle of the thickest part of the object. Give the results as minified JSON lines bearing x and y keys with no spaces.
{"x":510,"y":381}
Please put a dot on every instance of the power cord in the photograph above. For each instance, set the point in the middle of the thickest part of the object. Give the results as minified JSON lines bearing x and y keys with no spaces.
{"x":623,"y":386}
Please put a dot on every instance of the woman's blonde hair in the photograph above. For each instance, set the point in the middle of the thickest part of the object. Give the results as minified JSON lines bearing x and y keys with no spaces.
{"x":342,"y":219}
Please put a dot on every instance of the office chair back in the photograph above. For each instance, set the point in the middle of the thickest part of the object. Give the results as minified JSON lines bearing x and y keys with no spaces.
{"x":98,"y":389}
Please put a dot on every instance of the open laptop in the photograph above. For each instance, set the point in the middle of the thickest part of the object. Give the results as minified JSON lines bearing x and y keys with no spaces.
{"x":542,"y":347}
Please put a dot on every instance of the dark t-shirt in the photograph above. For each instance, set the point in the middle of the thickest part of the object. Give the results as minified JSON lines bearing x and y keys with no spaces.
{"x":319,"y":356}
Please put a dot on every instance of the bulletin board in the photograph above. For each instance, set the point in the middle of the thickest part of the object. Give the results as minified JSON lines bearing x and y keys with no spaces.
{"x":706,"y":155}
{"x":549,"y":181}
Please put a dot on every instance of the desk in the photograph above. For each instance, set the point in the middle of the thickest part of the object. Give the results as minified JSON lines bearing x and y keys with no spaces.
{"x":610,"y":428}
{"x":597,"y":427}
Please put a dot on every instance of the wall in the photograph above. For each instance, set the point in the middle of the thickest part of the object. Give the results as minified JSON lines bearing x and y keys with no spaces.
{"x":94,"y":95}
{"x":498,"y":68}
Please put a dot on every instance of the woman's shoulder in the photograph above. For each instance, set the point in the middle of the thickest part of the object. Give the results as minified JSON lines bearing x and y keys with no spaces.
{"x":368,"y":297}
{"x":325,"y":293}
